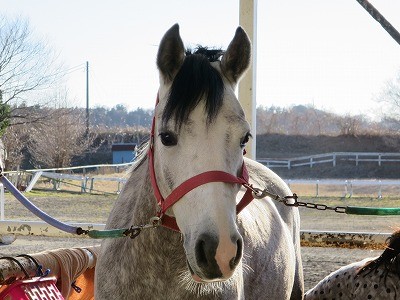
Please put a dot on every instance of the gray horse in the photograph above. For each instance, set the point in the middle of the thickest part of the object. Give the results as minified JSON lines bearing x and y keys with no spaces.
{"x":211,"y":252}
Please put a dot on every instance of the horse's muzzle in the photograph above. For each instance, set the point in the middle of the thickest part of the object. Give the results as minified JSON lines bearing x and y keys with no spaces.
{"x":216,"y":261}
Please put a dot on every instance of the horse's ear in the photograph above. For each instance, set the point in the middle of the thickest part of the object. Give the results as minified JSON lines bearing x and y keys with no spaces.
{"x":171,"y":53}
{"x":236,"y":59}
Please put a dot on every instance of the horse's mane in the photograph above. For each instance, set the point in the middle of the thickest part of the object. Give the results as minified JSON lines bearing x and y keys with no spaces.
{"x":196,"y":79}
{"x":389,"y":259}
{"x":141,"y":154}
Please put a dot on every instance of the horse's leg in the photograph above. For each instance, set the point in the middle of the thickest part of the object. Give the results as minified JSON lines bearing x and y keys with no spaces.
{"x":298,"y":287}
{"x":264,"y":177}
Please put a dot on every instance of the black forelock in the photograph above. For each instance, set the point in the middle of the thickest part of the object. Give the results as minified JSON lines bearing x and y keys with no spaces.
{"x":195,"y":80}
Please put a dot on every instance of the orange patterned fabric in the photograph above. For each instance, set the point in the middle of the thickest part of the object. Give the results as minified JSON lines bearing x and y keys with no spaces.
{"x":73,"y":265}
{"x":86,"y":283}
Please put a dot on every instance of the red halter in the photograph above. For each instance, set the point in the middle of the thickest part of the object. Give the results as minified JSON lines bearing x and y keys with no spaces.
{"x":192,"y":183}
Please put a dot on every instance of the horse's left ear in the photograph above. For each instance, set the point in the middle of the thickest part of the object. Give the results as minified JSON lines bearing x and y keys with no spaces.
{"x":171,"y":53}
{"x":236,"y":59}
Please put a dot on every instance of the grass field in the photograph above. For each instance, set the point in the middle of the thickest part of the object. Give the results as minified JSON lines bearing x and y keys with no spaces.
{"x":328,"y":220}
{"x":70,"y":205}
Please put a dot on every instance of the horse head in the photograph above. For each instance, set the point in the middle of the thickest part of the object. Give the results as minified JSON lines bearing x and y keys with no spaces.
{"x":200,"y":126}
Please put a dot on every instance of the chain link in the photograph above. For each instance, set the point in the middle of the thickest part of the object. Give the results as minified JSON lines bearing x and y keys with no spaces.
{"x":317,"y":206}
{"x":292,"y":200}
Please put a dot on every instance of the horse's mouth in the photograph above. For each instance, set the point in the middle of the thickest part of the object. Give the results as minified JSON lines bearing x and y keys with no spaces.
{"x":194,"y":275}
{"x":197,"y":278}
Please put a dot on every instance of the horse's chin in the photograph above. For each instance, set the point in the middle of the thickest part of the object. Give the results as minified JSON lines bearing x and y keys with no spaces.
{"x":199,"y":279}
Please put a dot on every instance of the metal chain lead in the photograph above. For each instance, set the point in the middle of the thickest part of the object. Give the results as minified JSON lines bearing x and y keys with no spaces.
{"x":292,"y":200}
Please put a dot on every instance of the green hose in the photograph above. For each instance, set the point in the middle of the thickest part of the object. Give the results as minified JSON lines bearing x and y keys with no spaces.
{"x":102,"y":234}
{"x":379,"y":211}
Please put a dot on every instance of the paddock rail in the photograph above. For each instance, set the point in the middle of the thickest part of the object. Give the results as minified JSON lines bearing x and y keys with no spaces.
{"x":332,"y":158}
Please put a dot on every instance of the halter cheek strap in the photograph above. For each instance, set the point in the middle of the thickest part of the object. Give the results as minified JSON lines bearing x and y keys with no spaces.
{"x":192,"y":183}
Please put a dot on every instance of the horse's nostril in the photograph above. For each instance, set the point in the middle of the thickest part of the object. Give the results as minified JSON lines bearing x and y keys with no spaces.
{"x":206,"y":248}
{"x":239,"y":250}
{"x":201,"y":256}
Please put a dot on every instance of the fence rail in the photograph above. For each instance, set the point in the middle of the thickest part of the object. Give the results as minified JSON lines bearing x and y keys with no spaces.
{"x":347,"y":186}
{"x":331,"y":158}
{"x":26,"y":179}
{"x":86,"y":181}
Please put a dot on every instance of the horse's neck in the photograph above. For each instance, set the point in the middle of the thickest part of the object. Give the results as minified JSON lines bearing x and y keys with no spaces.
{"x":136,"y":204}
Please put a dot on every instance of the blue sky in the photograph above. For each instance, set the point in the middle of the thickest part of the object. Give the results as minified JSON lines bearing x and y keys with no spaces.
{"x":330,"y":54}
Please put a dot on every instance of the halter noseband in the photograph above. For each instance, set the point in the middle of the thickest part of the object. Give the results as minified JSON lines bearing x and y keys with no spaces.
{"x":192,"y":183}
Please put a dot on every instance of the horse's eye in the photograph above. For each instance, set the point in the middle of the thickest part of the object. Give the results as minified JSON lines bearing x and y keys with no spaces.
{"x":245,"y":139}
{"x":168,"y":138}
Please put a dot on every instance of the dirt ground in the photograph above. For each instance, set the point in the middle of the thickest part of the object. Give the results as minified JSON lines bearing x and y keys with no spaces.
{"x":317,"y":262}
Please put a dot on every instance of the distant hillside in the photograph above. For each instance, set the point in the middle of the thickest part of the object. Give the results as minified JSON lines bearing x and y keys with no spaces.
{"x":282,"y":133}
{"x":286,"y":146}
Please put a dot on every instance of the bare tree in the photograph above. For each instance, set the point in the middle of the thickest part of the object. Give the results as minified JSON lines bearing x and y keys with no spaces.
{"x":27,"y":65}
{"x":14,"y":140}
{"x":55,"y":141}
{"x":350,"y":125}
{"x":390,"y":97}
{"x":390,"y":121}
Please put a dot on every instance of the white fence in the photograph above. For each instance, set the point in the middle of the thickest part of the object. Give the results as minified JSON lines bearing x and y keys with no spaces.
{"x":86,"y":182}
{"x":331,"y":158}
{"x":10,"y":228}
{"x":347,"y":187}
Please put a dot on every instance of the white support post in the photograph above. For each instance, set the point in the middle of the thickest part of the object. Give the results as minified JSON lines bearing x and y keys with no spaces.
{"x":247,"y":86}
{"x":33,"y":181}
{"x":380,"y":190}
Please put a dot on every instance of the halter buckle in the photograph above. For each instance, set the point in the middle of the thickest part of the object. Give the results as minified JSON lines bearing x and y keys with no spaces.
{"x":155,"y":221}
{"x":259,"y":193}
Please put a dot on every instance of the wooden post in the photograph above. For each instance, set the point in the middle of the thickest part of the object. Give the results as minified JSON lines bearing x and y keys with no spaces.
{"x":247,"y":86}
{"x":91,"y":184}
